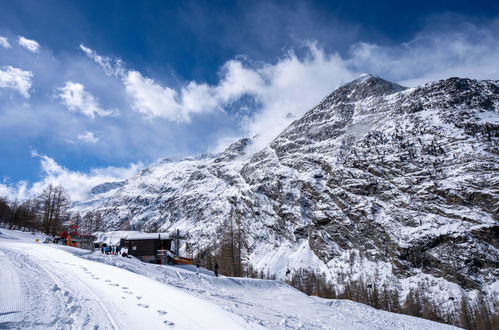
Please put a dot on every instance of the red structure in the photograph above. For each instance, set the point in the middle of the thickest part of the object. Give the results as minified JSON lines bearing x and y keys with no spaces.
{"x":77,"y":240}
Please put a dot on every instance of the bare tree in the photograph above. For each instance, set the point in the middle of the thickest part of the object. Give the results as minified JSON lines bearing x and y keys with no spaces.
{"x":53,"y":203}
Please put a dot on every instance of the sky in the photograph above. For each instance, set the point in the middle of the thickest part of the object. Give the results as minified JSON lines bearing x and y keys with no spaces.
{"x":93,"y":91}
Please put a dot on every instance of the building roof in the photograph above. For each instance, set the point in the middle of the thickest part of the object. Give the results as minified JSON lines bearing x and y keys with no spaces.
{"x":147,"y":236}
{"x":114,"y":237}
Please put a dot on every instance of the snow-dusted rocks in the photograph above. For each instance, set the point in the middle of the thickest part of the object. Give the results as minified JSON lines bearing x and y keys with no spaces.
{"x":378,"y":180}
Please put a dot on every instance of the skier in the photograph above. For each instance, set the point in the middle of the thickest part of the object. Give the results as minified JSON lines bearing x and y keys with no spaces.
{"x":197,"y":267}
{"x":216,"y":269}
{"x":288,"y":272}
{"x":102,"y":249}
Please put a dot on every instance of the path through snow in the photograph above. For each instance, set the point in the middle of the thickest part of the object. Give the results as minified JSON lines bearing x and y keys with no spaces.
{"x":56,"y":287}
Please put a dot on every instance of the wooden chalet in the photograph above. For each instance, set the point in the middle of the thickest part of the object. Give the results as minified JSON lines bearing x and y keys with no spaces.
{"x":145,"y":246}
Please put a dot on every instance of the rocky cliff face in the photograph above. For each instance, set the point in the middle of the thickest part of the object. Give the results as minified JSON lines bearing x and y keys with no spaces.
{"x":378,"y":180}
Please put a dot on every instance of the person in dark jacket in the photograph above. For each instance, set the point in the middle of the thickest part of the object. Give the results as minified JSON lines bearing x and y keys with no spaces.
{"x":216,"y":269}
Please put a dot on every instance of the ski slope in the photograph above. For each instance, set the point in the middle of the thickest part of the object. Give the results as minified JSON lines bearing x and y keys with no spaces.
{"x":46,"y":286}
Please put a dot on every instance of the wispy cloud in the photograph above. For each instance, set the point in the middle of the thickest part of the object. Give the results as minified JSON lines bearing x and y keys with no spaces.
{"x":4,"y":42}
{"x":76,"y":98}
{"x":78,"y":184}
{"x":112,"y":67}
{"x":464,"y":51}
{"x":29,"y":44}
{"x":283,"y":91}
{"x":88,"y":137}
{"x":17,"y":79}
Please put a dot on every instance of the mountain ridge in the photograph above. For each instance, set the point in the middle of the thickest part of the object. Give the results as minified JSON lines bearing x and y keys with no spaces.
{"x":403,"y":181}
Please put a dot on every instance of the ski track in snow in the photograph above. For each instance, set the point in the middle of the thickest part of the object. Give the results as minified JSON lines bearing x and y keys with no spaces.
{"x":44,"y":287}
{"x":56,"y":287}
{"x":11,"y":305}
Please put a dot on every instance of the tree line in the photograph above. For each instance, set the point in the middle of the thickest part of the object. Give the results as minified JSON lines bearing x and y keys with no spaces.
{"x":46,"y":212}
{"x":478,"y":314}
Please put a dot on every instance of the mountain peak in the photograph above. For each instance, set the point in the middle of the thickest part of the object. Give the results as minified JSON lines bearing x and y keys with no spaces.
{"x":235,"y":150}
{"x":365,"y":86}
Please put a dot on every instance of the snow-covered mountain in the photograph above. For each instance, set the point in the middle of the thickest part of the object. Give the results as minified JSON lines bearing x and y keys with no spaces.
{"x":398,"y":185}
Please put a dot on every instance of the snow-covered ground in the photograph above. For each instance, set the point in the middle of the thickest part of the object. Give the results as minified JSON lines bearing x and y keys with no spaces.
{"x":53,"y":286}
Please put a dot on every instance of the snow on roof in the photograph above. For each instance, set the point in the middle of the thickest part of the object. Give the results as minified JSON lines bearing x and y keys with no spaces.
{"x":114,"y":237}
{"x":140,"y":235}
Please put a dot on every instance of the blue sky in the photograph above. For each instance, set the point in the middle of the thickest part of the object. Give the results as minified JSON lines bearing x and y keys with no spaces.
{"x":91,"y":91}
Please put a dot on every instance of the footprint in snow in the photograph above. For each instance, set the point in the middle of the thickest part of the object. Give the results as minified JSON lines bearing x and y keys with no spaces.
{"x":113,"y":284}
{"x":128,"y":292}
{"x":139,"y":297}
{"x":124,"y":287}
{"x":107,"y":280}
{"x":168,"y":323}
{"x":143,"y":305}
{"x":162,"y":312}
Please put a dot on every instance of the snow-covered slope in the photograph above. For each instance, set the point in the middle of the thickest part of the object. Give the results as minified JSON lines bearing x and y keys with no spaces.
{"x":397,"y":185}
{"x":49,"y":286}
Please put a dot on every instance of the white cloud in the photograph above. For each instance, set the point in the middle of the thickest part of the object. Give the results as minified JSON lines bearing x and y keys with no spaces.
{"x":78,"y":184}
{"x":283,"y":91}
{"x":112,"y":67}
{"x":16,"y":192}
{"x":29,"y":44}
{"x":16,"y":79}
{"x":154,"y":100}
{"x":151,"y":99}
{"x":4,"y":42}
{"x":469,"y":51}
{"x":88,"y":137}
{"x":294,"y":86}
{"x":76,"y":98}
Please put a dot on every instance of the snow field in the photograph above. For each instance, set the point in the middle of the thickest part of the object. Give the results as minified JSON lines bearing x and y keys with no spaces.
{"x":46,"y":286}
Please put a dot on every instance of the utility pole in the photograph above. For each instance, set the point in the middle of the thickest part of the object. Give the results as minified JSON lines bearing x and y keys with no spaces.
{"x":177,"y":242}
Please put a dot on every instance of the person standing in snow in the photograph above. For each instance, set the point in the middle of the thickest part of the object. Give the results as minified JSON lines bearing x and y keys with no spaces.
{"x":197,"y":267}
{"x":216,"y":269}
{"x":102,"y":249}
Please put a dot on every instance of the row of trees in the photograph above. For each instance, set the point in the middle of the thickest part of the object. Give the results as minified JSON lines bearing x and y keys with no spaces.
{"x":46,"y":212}
{"x":476,"y":315}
